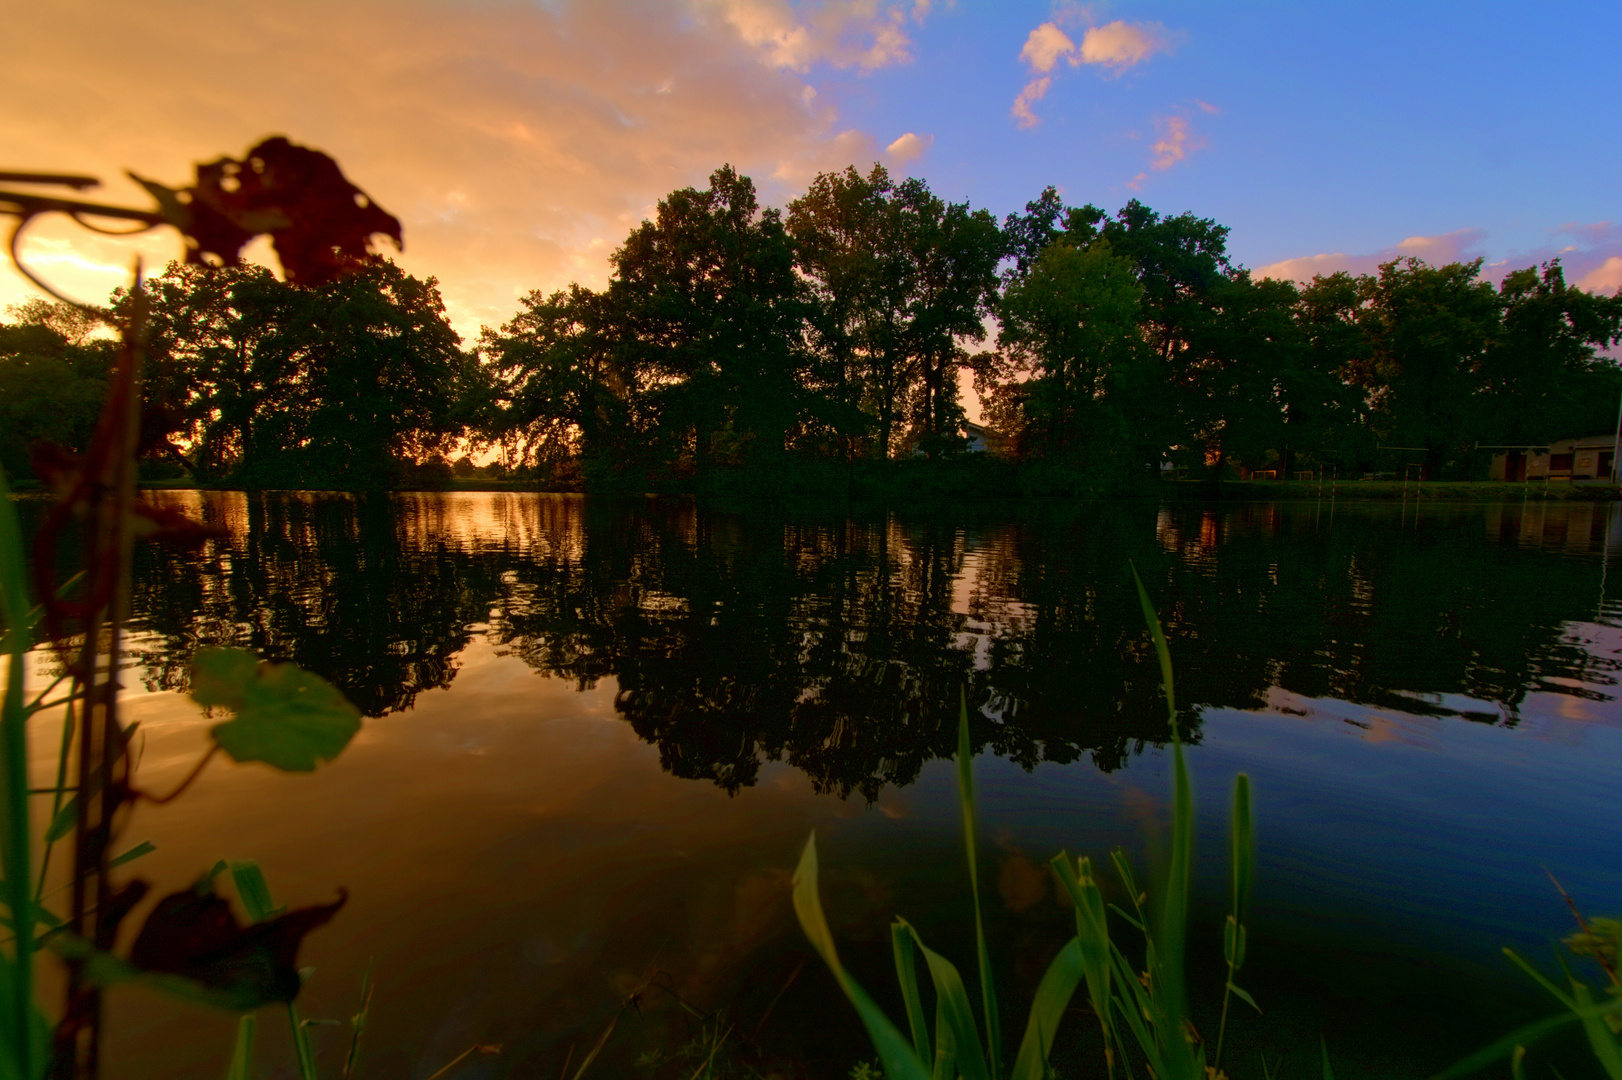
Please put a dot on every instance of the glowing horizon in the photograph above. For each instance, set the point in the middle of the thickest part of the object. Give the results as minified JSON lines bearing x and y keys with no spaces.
{"x":520,"y":142}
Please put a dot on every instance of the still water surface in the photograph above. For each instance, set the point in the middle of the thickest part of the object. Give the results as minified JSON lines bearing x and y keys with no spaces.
{"x":599,"y":733}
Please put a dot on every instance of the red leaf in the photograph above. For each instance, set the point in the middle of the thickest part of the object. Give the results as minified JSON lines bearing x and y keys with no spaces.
{"x":320,"y":223}
{"x":196,"y":935}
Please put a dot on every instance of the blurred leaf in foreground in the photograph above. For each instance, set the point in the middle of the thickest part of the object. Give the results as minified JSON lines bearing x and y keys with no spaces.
{"x":286,"y":717}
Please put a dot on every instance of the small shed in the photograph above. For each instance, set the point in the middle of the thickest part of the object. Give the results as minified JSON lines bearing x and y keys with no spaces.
{"x":1562,"y":461}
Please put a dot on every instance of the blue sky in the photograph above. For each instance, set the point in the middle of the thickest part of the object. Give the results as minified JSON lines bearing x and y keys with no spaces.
{"x":1341,"y":127}
{"x":520,"y":141}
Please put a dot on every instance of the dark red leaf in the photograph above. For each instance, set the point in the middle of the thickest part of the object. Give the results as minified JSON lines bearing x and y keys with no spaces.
{"x":321,"y":224}
{"x":196,"y":935}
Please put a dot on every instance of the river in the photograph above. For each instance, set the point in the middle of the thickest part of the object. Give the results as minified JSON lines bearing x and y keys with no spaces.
{"x":598,"y":733}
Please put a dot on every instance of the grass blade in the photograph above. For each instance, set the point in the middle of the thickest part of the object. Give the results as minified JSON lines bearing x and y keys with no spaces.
{"x":1092,"y":940}
{"x":1599,"y":1035}
{"x":1166,"y":970}
{"x":895,"y":1052}
{"x":241,"y":1067}
{"x":23,"y":1055}
{"x":1053,"y":995}
{"x":965,"y":785}
{"x":145,"y":847}
{"x":906,"y":973}
{"x":301,"y":1045}
{"x":954,"y":1013}
{"x":252,"y":890}
{"x":1502,"y":1048}
{"x":357,"y":1023}
{"x":1241,"y":853}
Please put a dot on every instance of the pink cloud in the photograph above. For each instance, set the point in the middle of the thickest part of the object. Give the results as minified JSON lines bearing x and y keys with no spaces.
{"x":1027,"y":97}
{"x":1175,"y":143}
{"x":1590,"y":255}
{"x":1115,"y":47}
{"x":1456,"y":246}
{"x":1605,"y":278}
{"x":1045,"y":46}
{"x":909,"y":148}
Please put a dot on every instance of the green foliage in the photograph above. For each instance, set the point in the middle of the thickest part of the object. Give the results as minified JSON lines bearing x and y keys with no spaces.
{"x":285,"y":716}
{"x":53,"y":378}
{"x":1600,"y":939}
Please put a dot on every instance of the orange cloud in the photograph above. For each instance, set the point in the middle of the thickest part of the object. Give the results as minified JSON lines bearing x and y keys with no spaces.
{"x":845,"y":33}
{"x":518,"y":143}
{"x":1119,"y":45}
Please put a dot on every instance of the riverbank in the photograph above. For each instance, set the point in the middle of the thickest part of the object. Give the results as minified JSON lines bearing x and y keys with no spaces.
{"x":1453,"y":490}
{"x":1178,"y":490}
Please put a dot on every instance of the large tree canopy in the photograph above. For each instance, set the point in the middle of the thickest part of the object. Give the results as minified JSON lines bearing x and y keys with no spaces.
{"x":275,"y":385}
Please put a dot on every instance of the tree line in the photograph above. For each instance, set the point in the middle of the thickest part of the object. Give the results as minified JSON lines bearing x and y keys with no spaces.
{"x":823,"y":346}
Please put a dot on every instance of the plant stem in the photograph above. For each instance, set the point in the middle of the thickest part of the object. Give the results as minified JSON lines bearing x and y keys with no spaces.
{"x":14,"y":784}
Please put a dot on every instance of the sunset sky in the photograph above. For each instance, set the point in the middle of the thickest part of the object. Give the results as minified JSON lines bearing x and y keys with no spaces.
{"x":520,"y":140}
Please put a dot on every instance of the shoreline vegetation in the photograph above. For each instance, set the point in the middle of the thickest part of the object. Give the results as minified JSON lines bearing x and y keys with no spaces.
{"x":827,"y":348}
{"x":1169,"y":490}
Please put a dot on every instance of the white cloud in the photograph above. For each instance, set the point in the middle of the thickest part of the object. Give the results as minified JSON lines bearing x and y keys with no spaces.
{"x":1119,"y":45}
{"x":910,"y":147}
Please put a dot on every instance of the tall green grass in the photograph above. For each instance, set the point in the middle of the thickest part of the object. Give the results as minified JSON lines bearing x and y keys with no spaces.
{"x":1144,"y":1018}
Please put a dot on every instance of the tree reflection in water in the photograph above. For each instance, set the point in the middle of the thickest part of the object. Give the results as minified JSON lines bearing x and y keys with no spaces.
{"x":838,"y":641}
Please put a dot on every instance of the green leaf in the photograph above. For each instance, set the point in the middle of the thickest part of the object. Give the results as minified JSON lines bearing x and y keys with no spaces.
{"x":64,"y":821}
{"x":900,"y":1063}
{"x":220,"y":677}
{"x":145,"y":847}
{"x":1245,"y":997}
{"x":289,"y":719}
{"x":1329,"y":1074}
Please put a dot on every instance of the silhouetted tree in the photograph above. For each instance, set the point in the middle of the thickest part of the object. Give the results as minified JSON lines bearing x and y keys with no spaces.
{"x":275,"y":385}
